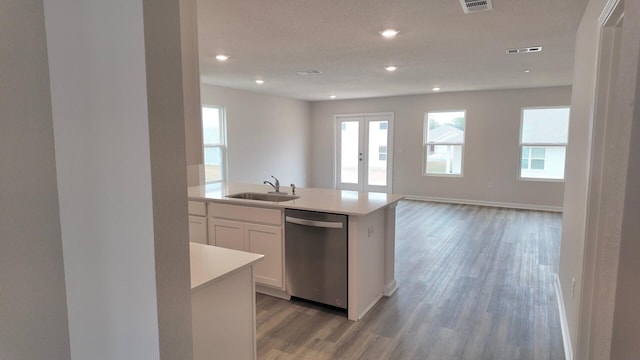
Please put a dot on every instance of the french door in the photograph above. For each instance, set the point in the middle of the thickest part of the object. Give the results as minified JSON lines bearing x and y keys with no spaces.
{"x":364,"y":156}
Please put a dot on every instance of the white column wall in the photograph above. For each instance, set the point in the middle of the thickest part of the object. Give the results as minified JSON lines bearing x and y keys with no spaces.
{"x":107,"y":97}
{"x":33,"y":310}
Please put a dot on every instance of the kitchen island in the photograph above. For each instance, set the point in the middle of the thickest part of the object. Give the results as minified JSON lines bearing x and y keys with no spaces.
{"x":257,"y":226}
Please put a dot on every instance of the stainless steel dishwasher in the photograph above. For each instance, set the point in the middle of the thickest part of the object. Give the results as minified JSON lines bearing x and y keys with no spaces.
{"x":316,"y":256}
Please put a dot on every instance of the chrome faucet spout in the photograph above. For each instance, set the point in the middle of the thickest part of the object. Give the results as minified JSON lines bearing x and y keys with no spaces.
{"x":276,"y":186}
{"x":269,"y":182}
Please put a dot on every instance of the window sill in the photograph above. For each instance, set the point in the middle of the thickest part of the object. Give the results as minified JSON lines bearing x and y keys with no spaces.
{"x":541,"y":180}
{"x":444,"y":175}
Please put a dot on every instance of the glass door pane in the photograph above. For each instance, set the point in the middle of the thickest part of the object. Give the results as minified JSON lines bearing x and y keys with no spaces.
{"x":377,"y":153}
{"x":364,"y":152}
{"x":349,"y":152}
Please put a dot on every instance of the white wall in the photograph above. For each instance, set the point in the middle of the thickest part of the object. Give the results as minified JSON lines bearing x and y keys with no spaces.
{"x":576,"y":168}
{"x":191,"y":80}
{"x":491,"y":144}
{"x":33,"y":310}
{"x":116,"y":95}
{"x":266,"y":135}
{"x":626,"y":322}
{"x":600,"y":232}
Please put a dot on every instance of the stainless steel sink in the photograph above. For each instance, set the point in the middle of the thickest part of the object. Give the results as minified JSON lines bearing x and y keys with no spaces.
{"x":263,"y":196}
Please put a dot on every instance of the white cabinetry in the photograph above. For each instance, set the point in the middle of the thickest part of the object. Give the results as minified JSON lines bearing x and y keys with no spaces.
{"x":197,"y":222}
{"x":266,"y":240}
{"x":253,"y":229}
{"x":227,"y":234}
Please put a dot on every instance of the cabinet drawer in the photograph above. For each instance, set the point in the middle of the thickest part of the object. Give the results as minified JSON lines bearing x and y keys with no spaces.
{"x":246,"y":213}
{"x":197,"y":208}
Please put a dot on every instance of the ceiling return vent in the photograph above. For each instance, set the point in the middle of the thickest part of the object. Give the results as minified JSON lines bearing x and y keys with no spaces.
{"x":308,"y":72}
{"x":472,"y":6}
{"x":525,"y":50}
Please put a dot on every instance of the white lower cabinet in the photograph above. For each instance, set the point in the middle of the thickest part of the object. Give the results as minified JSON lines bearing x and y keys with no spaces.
{"x":266,"y":240}
{"x":227,"y":234}
{"x":240,"y":230}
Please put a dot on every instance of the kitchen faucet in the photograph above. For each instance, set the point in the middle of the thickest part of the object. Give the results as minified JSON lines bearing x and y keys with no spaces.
{"x":276,"y":187}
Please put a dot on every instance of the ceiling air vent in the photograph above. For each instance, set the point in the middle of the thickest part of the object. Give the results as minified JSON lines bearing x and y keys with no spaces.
{"x":308,"y":72}
{"x":525,"y":50}
{"x":471,"y":6}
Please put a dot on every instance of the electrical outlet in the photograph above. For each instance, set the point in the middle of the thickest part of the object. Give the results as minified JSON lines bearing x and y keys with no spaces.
{"x":573,"y":287}
{"x":490,"y":184}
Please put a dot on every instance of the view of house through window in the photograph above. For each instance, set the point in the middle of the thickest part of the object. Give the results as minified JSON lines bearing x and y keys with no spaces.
{"x":543,"y":142}
{"x":444,"y":142}
{"x":213,"y":141}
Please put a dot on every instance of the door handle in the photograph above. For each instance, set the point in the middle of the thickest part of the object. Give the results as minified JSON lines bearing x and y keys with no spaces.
{"x":314,"y":223}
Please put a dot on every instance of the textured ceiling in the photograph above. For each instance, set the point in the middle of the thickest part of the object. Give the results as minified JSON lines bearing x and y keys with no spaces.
{"x":438,"y":45}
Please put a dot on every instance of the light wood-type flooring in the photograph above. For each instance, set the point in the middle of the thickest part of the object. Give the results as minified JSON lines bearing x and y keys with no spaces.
{"x":474,"y":283}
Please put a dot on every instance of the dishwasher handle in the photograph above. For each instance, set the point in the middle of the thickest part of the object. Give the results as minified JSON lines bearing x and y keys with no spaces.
{"x":314,"y":223}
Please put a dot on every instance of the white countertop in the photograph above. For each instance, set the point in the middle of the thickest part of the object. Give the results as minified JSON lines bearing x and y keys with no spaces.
{"x":324,"y":200}
{"x":211,"y":263}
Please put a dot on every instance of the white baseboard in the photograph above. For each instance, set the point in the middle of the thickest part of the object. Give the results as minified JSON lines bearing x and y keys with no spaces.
{"x":390,"y":288}
{"x":566,"y":337}
{"x":365,"y":311}
{"x":266,"y":290}
{"x":486,"y":203}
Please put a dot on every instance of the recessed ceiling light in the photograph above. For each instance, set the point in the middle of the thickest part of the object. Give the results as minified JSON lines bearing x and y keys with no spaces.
{"x":436,"y":89}
{"x":332,"y":96}
{"x":527,"y":71}
{"x":391,"y":68}
{"x":259,"y":82}
{"x":389,"y":33}
{"x":222,"y":57}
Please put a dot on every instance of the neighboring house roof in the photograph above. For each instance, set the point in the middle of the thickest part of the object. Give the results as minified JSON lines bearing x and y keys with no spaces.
{"x":446,"y":134}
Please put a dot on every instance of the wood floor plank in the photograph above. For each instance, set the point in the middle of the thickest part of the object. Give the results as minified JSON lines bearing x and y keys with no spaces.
{"x":474,"y":283}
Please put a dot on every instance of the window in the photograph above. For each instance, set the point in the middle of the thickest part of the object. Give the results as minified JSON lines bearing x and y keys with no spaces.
{"x":543,"y":142}
{"x":382,"y":153}
{"x":444,"y":142}
{"x":213,"y":141}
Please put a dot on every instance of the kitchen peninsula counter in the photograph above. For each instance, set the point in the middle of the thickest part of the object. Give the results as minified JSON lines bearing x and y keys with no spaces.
{"x":314,"y":199}
{"x":370,"y":231}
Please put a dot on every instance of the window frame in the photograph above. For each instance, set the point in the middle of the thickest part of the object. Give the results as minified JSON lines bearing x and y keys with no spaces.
{"x":426,"y":143}
{"x":522,"y":145}
{"x":222,"y":118}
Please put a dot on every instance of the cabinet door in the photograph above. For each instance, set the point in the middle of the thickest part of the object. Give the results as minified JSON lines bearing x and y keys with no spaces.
{"x":198,"y":229}
{"x":266,"y":240}
{"x":226,"y":234}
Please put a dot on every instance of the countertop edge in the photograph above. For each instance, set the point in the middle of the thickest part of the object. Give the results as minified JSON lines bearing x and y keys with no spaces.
{"x":291,"y":204}
{"x":238,"y":264}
